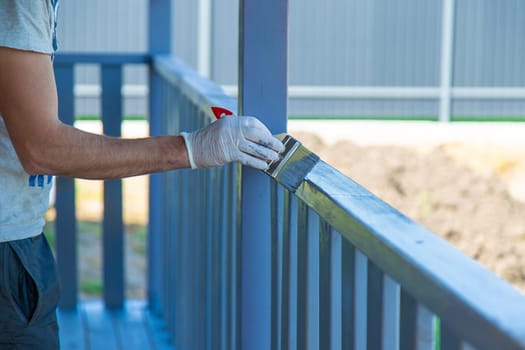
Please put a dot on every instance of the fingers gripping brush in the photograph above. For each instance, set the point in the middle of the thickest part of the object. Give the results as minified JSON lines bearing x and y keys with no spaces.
{"x":293,"y":166}
{"x":295,"y":161}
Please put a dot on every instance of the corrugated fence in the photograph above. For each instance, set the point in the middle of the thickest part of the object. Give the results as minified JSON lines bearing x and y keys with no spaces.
{"x":354,"y":58}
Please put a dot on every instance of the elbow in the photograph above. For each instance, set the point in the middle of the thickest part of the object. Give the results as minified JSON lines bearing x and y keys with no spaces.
{"x":34,"y":161}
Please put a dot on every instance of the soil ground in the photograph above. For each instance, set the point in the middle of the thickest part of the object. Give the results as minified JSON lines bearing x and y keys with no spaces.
{"x":465,"y":182}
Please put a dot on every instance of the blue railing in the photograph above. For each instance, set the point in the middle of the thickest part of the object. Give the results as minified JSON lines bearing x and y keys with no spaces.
{"x":196,"y":251}
{"x":113,"y":227}
{"x":347,"y":270}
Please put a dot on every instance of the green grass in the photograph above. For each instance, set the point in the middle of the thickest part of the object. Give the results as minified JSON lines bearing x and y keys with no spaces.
{"x":437,"y":334}
{"x":49,"y":233}
{"x":138,"y":236}
{"x":91,"y":287}
{"x":90,"y":227}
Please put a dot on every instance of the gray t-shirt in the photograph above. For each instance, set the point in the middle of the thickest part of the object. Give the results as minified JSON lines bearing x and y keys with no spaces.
{"x":24,"y":198}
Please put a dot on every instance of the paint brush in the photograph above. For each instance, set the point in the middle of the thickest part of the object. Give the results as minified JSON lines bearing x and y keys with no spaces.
{"x":293,"y":165}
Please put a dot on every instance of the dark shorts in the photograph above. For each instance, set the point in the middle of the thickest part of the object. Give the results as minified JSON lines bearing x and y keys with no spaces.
{"x":29,"y":294}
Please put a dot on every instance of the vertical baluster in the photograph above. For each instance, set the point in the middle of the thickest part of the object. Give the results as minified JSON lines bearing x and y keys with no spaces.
{"x":325,"y":286}
{"x":236,"y":255}
{"x":302,"y":272}
{"x":65,"y":222}
{"x":209,"y":262}
{"x":286,"y":273}
{"x":200,"y":262}
{"x":171,"y":250}
{"x":276,"y":262}
{"x":348,"y":294}
{"x":374,"y":323}
{"x":232,"y":262}
{"x":425,"y":335}
{"x":408,"y":318}
{"x":155,"y":230}
{"x":391,"y":311}
{"x":172,"y":213}
{"x":361,"y":297}
{"x":226,"y":258}
{"x":159,"y":201}
{"x":295,"y":274}
{"x":312,"y":277}
{"x":449,"y":340}
{"x":113,"y":225}
{"x":159,"y":42}
{"x":215,"y":253}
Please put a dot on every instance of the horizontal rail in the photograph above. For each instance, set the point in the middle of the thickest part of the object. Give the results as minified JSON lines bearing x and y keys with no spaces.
{"x":102,"y":58}
{"x":95,"y":91}
{"x":477,"y":305}
{"x":202,"y":92}
{"x":342,"y":92}
{"x":396,"y":92}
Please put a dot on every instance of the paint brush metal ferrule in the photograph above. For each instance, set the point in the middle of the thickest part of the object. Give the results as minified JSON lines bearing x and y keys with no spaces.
{"x":295,"y":162}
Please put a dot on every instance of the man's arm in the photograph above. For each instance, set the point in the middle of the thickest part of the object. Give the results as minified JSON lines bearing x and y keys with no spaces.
{"x":44,"y":145}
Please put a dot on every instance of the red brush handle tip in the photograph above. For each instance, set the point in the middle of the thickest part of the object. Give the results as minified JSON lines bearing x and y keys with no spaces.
{"x":218,"y":112}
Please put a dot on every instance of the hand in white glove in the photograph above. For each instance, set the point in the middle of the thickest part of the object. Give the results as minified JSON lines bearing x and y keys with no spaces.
{"x":232,"y":139}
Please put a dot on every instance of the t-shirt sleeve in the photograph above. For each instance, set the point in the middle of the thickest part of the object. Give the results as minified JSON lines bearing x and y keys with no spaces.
{"x":27,"y":25}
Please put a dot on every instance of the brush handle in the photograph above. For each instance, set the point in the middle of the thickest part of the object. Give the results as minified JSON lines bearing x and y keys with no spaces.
{"x":220,"y":112}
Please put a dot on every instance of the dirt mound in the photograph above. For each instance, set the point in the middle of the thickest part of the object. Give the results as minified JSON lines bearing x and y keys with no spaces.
{"x":470,"y":207}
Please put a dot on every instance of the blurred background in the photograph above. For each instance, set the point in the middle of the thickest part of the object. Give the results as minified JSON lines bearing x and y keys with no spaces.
{"x":347,"y":58}
{"x":422,"y":102}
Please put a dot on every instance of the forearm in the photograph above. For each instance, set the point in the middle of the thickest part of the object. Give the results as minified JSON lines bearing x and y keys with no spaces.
{"x":44,"y":145}
{"x":67,"y":151}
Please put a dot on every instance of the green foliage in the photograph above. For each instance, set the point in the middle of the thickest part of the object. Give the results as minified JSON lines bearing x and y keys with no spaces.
{"x":91,"y":287}
{"x":49,"y":233}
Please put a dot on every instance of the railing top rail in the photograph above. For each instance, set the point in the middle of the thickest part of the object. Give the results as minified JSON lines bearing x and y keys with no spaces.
{"x":203,"y":92}
{"x":102,"y":58}
{"x":479,"y":306}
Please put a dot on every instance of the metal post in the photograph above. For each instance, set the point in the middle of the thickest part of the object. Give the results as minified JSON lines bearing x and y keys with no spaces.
{"x":447,"y":59}
{"x":159,"y":39}
{"x":262,"y":86}
{"x":66,"y":222}
{"x":113,"y":225}
{"x":204,"y":37}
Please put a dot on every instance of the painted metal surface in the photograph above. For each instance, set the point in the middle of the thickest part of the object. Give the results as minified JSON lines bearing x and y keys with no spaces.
{"x":226,"y":272}
{"x":200,"y":226}
{"x":421,"y":262}
{"x":203,"y":296}
{"x":262,"y":93}
{"x":159,"y":42}
{"x":65,"y":222}
{"x":113,"y":222}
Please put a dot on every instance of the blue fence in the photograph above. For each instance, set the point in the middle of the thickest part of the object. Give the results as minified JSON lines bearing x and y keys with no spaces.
{"x":197,"y":247}
{"x":337,"y":267}
{"x":348,"y":271}
{"x":113,"y":227}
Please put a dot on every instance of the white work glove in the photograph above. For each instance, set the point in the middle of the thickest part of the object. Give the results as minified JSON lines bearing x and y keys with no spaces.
{"x":232,"y":139}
